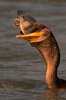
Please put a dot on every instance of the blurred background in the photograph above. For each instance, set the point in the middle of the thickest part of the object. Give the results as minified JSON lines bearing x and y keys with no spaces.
{"x":22,"y":69}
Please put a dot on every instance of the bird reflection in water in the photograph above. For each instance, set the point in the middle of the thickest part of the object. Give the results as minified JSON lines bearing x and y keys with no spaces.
{"x":33,"y":87}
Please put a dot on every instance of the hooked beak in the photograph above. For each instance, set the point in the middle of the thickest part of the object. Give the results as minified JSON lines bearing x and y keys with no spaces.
{"x":32,"y":37}
{"x":36,"y":36}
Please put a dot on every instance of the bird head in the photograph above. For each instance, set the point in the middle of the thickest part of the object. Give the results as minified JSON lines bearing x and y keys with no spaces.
{"x":29,"y":29}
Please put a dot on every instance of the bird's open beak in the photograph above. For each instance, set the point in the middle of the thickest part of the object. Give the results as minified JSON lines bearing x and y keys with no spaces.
{"x":32,"y":37}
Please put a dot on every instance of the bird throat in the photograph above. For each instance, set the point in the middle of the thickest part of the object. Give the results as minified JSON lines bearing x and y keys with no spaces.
{"x":50,"y":52}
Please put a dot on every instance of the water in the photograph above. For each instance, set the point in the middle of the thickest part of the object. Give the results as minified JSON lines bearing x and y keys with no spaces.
{"x":22,"y":70}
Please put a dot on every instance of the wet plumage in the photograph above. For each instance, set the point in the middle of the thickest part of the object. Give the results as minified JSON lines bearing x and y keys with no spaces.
{"x":43,"y":39}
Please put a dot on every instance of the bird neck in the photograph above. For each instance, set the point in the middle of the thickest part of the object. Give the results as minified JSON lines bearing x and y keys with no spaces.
{"x":51,"y":54}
